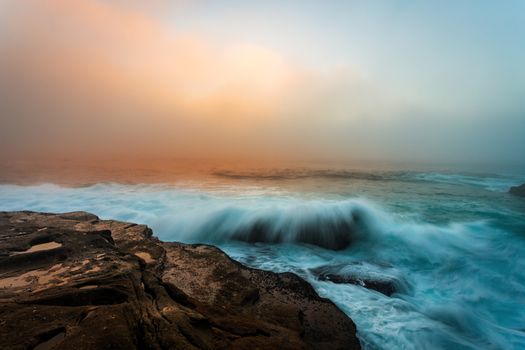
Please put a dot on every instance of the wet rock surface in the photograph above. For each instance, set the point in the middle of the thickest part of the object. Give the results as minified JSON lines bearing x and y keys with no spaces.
{"x":72,"y":281}
{"x":371,"y":276}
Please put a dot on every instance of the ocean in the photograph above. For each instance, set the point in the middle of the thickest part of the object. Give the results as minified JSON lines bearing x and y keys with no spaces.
{"x":449,"y":246}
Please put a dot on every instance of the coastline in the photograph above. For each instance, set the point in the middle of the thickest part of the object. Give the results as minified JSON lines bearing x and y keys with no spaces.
{"x":74,"y":281}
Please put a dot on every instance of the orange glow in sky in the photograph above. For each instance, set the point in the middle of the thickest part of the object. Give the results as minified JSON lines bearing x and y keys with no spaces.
{"x":185,"y":78}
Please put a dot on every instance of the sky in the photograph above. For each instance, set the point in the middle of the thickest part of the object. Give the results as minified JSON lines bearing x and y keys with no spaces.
{"x":433,"y":81}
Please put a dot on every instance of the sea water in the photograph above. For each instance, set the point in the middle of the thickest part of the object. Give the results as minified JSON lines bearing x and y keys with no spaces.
{"x":452,"y":243}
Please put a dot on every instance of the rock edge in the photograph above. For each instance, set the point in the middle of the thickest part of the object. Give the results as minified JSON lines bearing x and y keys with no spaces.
{"x":73,"y":281}
{"x":518,"y":190}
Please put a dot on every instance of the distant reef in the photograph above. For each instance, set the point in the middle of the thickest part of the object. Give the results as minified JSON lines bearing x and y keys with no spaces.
{"x":518,"y":190}
{"x":73,"y":281}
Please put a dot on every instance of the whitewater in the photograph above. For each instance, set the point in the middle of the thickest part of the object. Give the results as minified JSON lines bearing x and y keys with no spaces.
{"x":452,"y":245}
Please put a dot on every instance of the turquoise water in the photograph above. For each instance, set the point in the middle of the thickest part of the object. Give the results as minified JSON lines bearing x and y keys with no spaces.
{"x":452,"y":243}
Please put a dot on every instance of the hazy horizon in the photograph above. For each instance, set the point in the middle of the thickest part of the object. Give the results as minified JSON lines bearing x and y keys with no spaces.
{"x":388,"y":81}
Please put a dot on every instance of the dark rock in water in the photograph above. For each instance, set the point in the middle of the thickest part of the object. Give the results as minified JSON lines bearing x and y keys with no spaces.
{"x":367,"y":275}
{"x":322,"y":232}
{"x":518,"y":190}
{"x":386,"y":286}
{"x":72,"y":281}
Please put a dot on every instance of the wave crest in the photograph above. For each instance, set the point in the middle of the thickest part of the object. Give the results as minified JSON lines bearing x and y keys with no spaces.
{"x":328,"y":225}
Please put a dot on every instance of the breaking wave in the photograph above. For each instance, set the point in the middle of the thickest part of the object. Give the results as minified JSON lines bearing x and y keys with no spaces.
{"x":459,"y":283}
{"x":325,"y":224}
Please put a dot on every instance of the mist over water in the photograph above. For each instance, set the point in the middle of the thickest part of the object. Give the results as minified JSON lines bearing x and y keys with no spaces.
{"x":453,"y":244}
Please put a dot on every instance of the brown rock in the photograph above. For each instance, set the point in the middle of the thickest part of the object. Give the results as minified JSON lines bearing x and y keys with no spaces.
{"x":72,"y":281}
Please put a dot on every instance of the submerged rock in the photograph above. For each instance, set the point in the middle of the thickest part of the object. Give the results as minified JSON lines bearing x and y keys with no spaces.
{"x":72,"y":281}
{"x":370,"y":276}
{"x":335,"y":235}
{"x":330,"y":229}
{"x":518,"y":190}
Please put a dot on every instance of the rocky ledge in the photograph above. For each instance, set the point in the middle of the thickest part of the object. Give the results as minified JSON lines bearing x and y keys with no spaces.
{"x":73,"y":281}
{"x":518,"y":190}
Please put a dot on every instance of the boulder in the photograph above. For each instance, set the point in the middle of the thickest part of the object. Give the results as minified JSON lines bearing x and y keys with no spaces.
{"x":382,"y":279}
{"x":518,"y":190}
